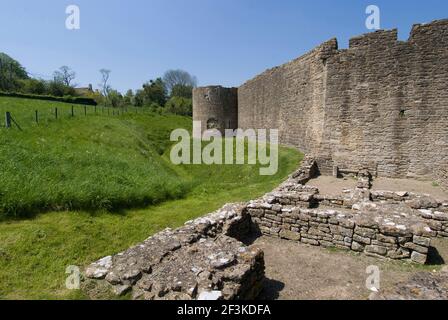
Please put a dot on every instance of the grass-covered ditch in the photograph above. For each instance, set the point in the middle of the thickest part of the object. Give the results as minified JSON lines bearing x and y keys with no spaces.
{"x":77,"y":189}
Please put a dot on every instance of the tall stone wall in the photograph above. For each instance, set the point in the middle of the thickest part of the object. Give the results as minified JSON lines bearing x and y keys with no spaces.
{"x":382,"y":104}
{"x":289,"y":98}
{"x":386,"y":105}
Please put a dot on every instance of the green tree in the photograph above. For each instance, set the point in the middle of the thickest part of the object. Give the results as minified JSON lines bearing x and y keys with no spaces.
{"x":154,"y":92}
{"x":11,"y":72}
{"x":34,"y":86}
{"x":182,"y":91}
{"x":115,"y":98}
{"x":139,"y":98}
{"x":128,"y":98}
{"x":180,"y":106}
{"x":59,"y":89}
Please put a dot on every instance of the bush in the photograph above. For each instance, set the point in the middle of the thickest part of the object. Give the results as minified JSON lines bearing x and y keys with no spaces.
{"x":33,"y":86}
{"x":67,"y":99}
{"x":180,"y":106}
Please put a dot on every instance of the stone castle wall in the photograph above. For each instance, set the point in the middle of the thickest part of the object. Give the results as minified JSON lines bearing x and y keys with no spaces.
{"x":381,"y":105}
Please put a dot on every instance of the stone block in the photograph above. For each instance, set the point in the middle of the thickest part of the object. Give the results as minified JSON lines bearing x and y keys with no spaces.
{"x":416,"y":247}
{"x":418,"y":257}
{"x":422,"y":241}
{"x":382,"y":251}
{"x":289,"y":235}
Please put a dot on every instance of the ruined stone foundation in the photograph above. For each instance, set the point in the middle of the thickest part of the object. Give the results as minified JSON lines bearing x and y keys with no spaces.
{"x":206,"y":258}
{"x":202,"y":260}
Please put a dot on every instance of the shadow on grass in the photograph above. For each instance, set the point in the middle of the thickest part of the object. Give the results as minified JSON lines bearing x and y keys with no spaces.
{"x":119,"y":208}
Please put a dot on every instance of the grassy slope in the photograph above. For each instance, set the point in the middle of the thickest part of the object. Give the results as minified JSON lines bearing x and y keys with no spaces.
{"x":94,"y":162}
{"x":34,"y":253}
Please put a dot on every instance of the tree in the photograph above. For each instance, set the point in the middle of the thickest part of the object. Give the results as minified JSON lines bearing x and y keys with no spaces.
{"x":115,"y":98}
{"x":180,"y":106}
{"x":128,"y":98}
{"x":104,"y":85}
{"x":182,"y":91}
{"x":64,"y":75}
{"x":154,"y":92}
{"x":34,"y":86}
{"x":59,"y":89}
{"x":173,"y":78}
{"x":11,"y":72}
{"x":139,"y":98}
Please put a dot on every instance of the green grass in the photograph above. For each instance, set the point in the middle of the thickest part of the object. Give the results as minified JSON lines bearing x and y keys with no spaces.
{"x":87,"y":163}
{"x":103,"y":162}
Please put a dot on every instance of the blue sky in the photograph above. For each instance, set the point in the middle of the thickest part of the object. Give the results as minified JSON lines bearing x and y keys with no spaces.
{"x":221,"y":42}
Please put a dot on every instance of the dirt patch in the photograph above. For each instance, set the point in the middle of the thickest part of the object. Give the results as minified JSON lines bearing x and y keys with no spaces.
{"x":415,"y":186}
{"x":331,"y":186}
{"x":299,"y":272}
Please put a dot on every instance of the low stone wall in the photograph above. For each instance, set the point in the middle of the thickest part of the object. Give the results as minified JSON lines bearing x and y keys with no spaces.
{"x":434,"y":212}
{"x":206,"y":258}
{"x":198,"y":261}
{"x":395,"y":225}
{"x":372,"y":234}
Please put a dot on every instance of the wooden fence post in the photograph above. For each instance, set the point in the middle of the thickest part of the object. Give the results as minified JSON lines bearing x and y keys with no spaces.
{"x":56,"y":113}
{"x":8,"y":119}
{"x":37,"y":116}
{"x":73,"y":112}
{"x":85,"y":110}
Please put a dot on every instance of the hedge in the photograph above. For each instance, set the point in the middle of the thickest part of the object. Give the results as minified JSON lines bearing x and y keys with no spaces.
{"x":67,"y":99}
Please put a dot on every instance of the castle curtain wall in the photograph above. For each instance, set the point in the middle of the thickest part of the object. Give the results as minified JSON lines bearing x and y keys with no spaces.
{"x":386,"y":105}
{"x":382,"y":104}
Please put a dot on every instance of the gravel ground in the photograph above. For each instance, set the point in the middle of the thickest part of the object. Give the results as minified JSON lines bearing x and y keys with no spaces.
{"x":299,"y":272}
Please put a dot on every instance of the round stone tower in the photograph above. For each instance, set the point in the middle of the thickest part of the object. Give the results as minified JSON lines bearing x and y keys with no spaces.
{"x":216,"y":107}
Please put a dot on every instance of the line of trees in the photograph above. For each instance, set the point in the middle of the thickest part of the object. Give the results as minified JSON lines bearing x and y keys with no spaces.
{"x":14,"y":78}
{"x":171,"y":93}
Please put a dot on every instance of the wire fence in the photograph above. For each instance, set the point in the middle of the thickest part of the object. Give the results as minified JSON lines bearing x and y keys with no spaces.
{"x":19,"y":119}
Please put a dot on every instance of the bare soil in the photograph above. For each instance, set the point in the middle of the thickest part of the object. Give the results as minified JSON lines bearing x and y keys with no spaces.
{"x":299,"y":272}
{"x":333,"y":187}
{"x":425,"y":187}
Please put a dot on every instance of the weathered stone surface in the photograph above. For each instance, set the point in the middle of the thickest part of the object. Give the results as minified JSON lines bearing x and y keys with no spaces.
{"x":389,"y":228}
{"x":290,"y":235}
{"x":197,"y":261}
{"x":382,"y":251}
{"x":419,"y":257}
{"x":426,"y":242}
{"x":422,"y":286}
{"x":348,"y":107}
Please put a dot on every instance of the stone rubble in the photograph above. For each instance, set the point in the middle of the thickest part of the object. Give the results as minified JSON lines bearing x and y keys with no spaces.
{"x":207,"y":260}
{"x":421,"y":286}
{"x":198,"y":261}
